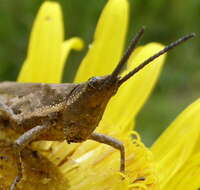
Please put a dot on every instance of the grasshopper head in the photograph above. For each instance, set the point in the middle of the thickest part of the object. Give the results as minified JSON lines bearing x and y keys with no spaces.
{"x":100,"y":89}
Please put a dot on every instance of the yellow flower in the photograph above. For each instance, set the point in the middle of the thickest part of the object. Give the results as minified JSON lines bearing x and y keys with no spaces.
{"x":176,"y":152}
{"x":90,"y":165}
{"x":47,"y":47}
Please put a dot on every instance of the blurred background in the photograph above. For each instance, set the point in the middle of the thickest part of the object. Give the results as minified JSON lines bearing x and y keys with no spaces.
{"x":166,"y":20}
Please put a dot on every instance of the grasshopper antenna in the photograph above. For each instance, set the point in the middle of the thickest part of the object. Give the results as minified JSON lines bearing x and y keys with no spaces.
{"x":150,"y":59}
{"x":129,"y":51}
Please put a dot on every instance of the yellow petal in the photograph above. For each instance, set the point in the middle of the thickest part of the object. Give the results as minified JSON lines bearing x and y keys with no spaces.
{"x":132,"y":95}
{"x":73,"y":43}
{"x":187,"y":177}
{"x":105,"y":51}
{"x":43,"y":62}
{"x":177,"y":143}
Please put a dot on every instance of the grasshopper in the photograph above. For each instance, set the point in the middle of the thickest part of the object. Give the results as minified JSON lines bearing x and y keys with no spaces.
{"x":70,"y":112}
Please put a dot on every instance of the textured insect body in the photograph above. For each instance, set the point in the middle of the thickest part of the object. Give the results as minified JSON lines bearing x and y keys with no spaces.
{"x":57,"y":112}
{"x":26,"y":105}
{"x":74,"y":110}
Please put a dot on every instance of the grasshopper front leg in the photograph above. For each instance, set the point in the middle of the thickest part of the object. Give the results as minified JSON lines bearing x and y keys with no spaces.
{"x":21,"y":143}
{"x":112,"y":142}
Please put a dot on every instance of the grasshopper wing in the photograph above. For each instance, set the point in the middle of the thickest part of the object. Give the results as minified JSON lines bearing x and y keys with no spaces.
{"x":28,"y":97}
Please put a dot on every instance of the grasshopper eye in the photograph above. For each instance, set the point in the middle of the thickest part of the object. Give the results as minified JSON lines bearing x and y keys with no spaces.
{"x":93,"y":82}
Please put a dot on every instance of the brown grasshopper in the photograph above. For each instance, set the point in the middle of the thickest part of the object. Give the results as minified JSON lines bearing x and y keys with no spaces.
{"x":57,"y":112}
